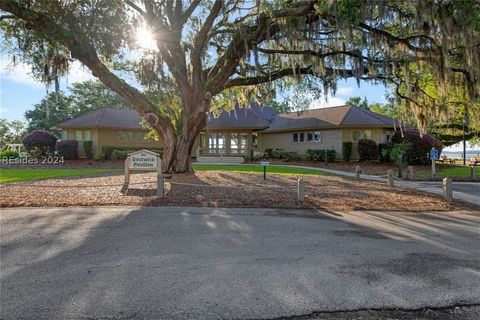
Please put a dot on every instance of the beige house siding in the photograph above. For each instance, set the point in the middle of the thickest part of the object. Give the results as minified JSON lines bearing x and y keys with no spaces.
{"x":379,"y":135}
{"x":108,"y":137}
{"x":284,"y":140}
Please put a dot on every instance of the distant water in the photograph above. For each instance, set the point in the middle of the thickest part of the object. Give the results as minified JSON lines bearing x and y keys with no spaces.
{"x":459,"y":154}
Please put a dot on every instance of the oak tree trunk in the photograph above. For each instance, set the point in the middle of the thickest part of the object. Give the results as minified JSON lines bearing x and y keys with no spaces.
{"x":177,"y":151}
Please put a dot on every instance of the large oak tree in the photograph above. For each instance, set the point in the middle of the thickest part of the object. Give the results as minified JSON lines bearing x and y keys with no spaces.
{"x":213,"y":53}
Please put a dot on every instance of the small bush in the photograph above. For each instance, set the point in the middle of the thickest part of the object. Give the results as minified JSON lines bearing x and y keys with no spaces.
{"x":367,"y":149}
{"x":67,"y":149}
{"x":418,"y":153}
{"x":40,"y":143}
{"x":269,"y":153}
{"x":292,"y":156}
{"x":400,"y":150}
{"x":120,"y":154}
{"x":384,"y":150}
{"x":319,"y":154}
{"x":8,"y":154}
{"x":347,"y":151}
{"x":88,"y":147}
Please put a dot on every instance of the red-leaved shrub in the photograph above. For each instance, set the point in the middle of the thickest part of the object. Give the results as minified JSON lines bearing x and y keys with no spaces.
{"x":40,"y":142}
{"x":420,"y":145}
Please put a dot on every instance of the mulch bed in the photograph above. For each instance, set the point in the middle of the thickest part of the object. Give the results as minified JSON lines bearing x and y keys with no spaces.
{"x":221,"y":189}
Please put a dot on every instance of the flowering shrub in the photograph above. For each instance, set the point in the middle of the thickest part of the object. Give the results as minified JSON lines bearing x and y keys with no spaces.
{"x":40,"y":142}
{"x":420,"y":145}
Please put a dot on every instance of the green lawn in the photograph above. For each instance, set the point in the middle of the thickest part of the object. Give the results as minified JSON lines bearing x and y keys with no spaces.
{"x":18,"y":175}
{"x":257,"y":169}
{"x":459,"y":171}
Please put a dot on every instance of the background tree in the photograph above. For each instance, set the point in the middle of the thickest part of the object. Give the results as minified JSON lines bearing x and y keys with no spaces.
{"x":208,"y":54}
{"x":358,"y":102}
{"x":11,"y":132}
{"x":84,"y":97}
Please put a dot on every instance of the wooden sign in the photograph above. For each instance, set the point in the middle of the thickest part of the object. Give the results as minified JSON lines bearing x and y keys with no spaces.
{"x":145,"y":160}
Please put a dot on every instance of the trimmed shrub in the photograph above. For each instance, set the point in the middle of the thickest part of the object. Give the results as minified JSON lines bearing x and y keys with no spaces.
{"x":319,"y":154}
{"x":120,"y":154}
{"x":88,"y":147}
{"x":419,"y":145}
{"x":107,"y":151}
{"x":292,"y":156}
{"x":269,"y":153}
{"x":40,"y":142}
{"x":8,"y":154}
{"x":347,"y":151}
{"x":67,"y":149}
{"x":384,"y":150}
{"x":367,"y":149}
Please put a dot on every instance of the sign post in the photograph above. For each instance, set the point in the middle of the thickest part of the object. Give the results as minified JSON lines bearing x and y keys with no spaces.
{"x":433,"y":157}
{"x":144,"y":160}
{"x":264,"y":164}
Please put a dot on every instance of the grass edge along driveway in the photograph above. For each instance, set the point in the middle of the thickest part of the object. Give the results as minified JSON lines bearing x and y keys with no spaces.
{"x":459,"y":171}
{"x":9,"y":175}
{"x":273,"y":169}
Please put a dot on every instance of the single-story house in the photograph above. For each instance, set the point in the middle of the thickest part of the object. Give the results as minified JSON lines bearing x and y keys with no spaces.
{"x":241,"y":131}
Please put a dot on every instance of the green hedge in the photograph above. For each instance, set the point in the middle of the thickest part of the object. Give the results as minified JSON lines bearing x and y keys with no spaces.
{"x":347,"y":151}
{"x":384,"y":151}
{"x":8,"y":154}
{"x":284,"y":154}
{"x":367,"y":149}
{"x":88,"y":147}
{"x":319,"y":154}
{"x":121,"y":152}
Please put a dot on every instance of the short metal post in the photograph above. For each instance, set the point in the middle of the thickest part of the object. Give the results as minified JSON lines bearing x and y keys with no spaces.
{"x":474,"y":172}
{"x":447,"y":189}
{"x":264,"y":172}
{"x":357,"y":172}
{"x":433,"y":168}
{"x":390,"y":177}
{"x":410,"y":172}
{"x":300,"y":190}
{"x":126,"y":179}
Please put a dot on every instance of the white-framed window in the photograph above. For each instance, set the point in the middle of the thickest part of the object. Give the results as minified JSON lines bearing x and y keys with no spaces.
{"x":83,"y":135}
{"x":307,"y":136}
{"x":64,"y":135}
{"x":301,"y":137}
{"x":295,"y":137}
{"x":361,"y":134}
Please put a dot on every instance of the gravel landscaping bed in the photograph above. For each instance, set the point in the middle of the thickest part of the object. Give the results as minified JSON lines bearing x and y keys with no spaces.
{"x":221,"y":189}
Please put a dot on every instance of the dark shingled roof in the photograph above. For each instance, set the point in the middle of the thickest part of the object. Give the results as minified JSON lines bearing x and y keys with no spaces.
{"x":255,"y":117}
{"x":341,"y":116}
{"x":105,"y":118}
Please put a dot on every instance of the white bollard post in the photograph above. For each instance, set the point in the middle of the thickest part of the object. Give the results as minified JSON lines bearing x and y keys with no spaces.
{"x":433,"y":169}
{"x":300,"y":190}
{"x":357,"y":172}
{"x":390,"y":178}
{"x":160,"y":185}
{"x":410,"y":173}
{"x":447,"y":189}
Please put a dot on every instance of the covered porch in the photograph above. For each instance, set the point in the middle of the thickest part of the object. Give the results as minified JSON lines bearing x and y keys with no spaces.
{"x":221,"y":143}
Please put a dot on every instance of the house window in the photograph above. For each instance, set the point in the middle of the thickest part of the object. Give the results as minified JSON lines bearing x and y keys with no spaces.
{"x":64,"y":135}
{"x":295,"y":137}
{"x":301,"y":137}
{"x":83,"y":135}
{"x":361,"y":134}
{"x":313,"y":136}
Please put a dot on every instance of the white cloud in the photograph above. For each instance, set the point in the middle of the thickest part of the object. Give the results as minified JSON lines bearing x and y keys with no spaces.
{"x":21,"y":73}
{"x":3,"y":110}
{"x":331,"y":102}
{"x":345,"y":91}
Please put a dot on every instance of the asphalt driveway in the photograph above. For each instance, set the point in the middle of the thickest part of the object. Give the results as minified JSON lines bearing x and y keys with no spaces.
{"x":470,"y":188}
{"x":204,"y":263}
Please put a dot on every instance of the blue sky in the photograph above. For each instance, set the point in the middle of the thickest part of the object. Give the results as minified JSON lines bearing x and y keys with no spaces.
{"x":19,"y":91}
